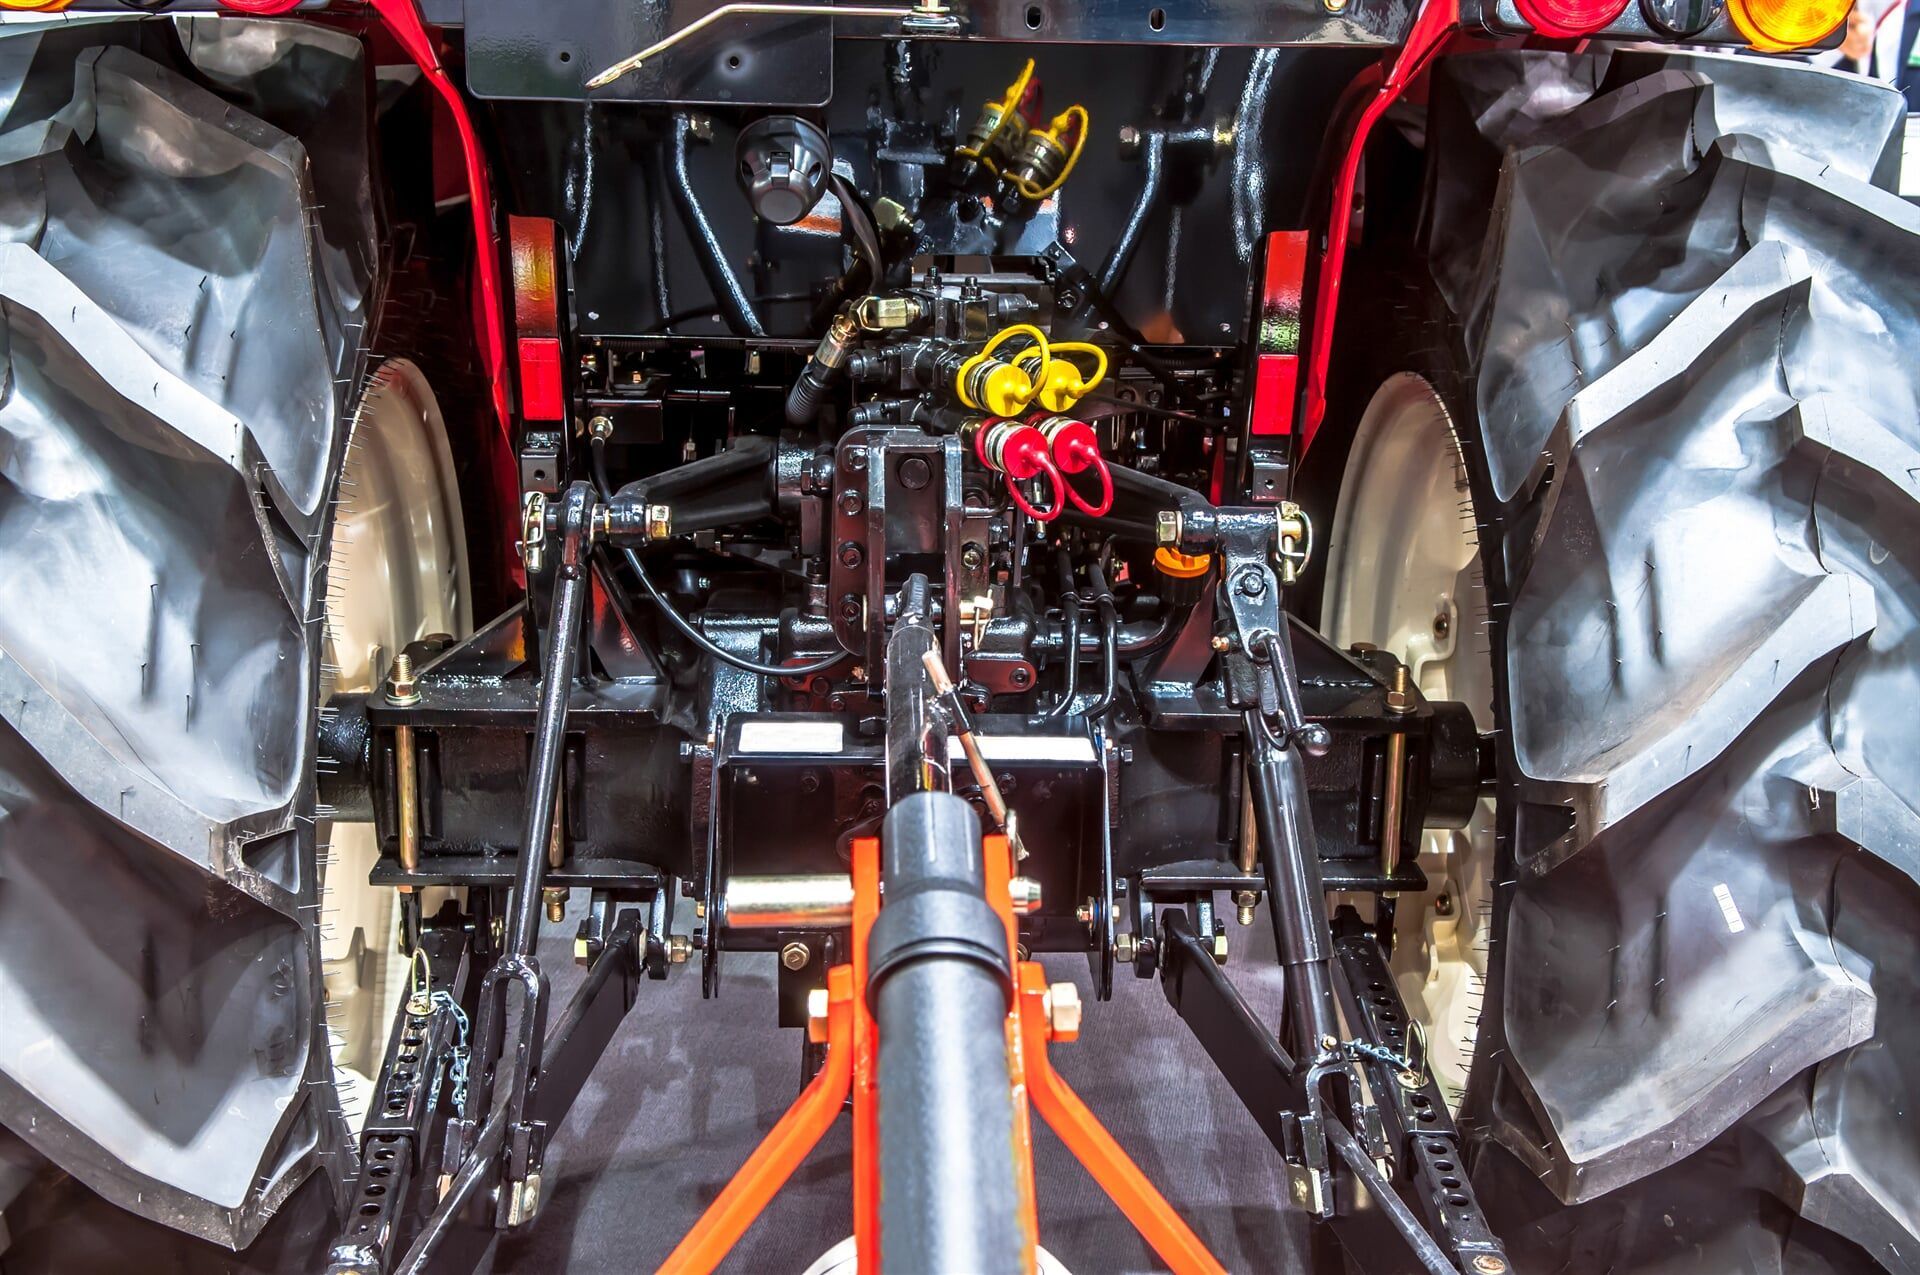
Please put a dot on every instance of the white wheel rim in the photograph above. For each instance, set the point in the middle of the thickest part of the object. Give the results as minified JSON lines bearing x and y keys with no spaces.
{"x":1403,"y":573}
{"x":397,"y":571}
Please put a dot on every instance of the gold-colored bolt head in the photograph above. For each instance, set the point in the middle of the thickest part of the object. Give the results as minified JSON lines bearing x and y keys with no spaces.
{"x":1490,"y":1264}
{"x":795,"y":956}
{"x":1400,"y":694}
{"x":678,"y":949}
{"x":1166,"y":527}
{"x":659,"y":522}
{"x":556,"y":900}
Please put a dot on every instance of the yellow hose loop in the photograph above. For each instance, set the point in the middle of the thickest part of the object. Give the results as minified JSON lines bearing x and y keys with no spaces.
{"x":1008,"y":105}
{"x":1005,"y":393}
{"x":1054,"y":129}
{"x":1064,"y":384}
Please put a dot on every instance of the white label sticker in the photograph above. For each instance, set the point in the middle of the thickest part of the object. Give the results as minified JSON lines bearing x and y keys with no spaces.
{"x":1727,"y":909}
{"x":791,"y":737}
{"x":1067,"y":748}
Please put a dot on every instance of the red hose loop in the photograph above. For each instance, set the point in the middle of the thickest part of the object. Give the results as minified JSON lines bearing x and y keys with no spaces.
{"x":1076,"y":449}
{"x":1098,"y":508}
{"x":1054,"y":480}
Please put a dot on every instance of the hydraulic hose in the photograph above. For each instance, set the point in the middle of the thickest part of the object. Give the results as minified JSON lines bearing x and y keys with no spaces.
{"x":1070,"y":605}
{"x":1109,"y":643}
{"x":1070,"y":609}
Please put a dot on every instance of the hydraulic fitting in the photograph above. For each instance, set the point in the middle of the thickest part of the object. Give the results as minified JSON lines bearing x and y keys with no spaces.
{"x":997,"y":133}
{"x":1076,"y":449}
{"x":823,"y":367}
{"x":1020,"y":453}
{"x":888,"y":314}
{"x":1046,"y":158}
{"x":1061,"y":382}
{"x":1000,"y":386}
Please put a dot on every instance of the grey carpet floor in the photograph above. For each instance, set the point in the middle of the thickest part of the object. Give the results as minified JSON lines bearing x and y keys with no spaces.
{"x":689,"y":1087}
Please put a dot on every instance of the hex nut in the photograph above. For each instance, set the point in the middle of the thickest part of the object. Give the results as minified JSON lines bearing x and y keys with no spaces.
{"x":402,"y":689}
{"x":1025,"y":894}
{"x":678,"y":949}
{"x":1062,"y":1003}
{"x":1166,"y":527}
{"x":817,"y":1006}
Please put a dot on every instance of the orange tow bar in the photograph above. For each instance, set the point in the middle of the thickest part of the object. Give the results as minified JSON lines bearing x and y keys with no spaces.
{"x":848,"y":1031}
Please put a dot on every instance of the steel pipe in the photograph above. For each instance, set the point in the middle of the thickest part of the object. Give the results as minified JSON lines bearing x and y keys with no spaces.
{"x":794,"y":902}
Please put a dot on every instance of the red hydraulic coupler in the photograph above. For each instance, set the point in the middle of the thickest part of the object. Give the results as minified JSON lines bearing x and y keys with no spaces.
{"x":1020,"y":452}
{"x":1076,"y":449}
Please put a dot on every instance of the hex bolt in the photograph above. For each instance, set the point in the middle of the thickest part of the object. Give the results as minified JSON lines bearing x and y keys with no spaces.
{"x":1253,"y":582}
{"x":850,"y":608}
{"x":1020,"y":677}
{"x":678,"y":949}
{"x":1129,"y":141}
{"x":972,"y":556}
{"x":1123,"y":948}
{"x":851,"y":502}
{"x":1400,"y":695}
{"x":1490,"y":1264}
{"x":1084,"y":913}
{"x":556,"y":900}
{"x":851,"y":554}
{"x":795,"y":956}
{"x":1219,"y":945}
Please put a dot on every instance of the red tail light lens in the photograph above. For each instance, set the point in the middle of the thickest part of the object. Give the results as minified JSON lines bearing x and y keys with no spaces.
{"x":1569,"y":19}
